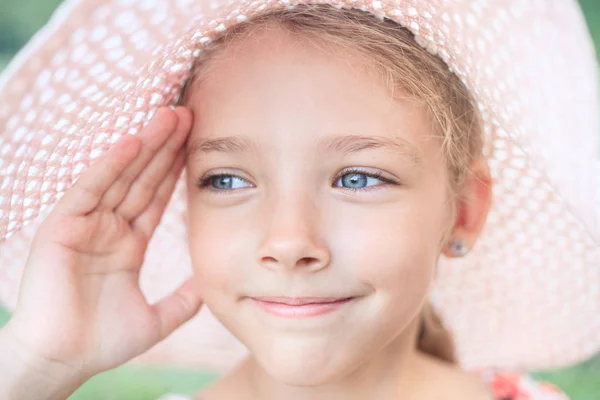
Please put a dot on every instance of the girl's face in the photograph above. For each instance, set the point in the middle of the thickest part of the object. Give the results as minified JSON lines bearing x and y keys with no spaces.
{"x":314,"y":183}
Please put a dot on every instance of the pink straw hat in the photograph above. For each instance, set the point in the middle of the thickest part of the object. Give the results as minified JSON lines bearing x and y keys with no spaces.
{"x":527,"y":296}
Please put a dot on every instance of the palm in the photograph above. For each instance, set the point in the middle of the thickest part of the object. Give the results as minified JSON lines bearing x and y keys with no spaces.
{"x":81,"y":281}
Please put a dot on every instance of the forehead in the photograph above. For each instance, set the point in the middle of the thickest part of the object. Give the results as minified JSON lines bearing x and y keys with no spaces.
{"x":279,"y":86}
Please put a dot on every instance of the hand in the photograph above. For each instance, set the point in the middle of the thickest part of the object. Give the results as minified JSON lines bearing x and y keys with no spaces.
{"x":80,"y":303}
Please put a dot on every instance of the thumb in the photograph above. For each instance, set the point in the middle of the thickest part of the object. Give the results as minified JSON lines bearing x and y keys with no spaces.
{"x":177,"y":308}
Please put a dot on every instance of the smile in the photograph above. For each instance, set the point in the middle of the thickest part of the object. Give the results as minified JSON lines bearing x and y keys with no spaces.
{"x":300,"y":307}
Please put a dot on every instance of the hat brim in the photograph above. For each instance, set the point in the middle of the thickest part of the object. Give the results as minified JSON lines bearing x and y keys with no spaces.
{"x":527,"y":296}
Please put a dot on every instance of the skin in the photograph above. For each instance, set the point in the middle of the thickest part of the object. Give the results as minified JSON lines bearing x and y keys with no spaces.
{"x":290,"y":225}
{"x":80,"y":309}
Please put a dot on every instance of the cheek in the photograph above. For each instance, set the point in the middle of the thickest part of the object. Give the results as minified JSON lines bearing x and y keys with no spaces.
{"x":392,"y":249}
{"x":214,"y":244}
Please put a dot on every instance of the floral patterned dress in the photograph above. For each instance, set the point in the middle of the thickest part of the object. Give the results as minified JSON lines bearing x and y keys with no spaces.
{"x":515,"y":386}
{"x":503,"y":384}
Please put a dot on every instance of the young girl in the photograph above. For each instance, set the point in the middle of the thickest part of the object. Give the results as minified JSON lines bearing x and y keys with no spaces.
{"x":338,"y":175}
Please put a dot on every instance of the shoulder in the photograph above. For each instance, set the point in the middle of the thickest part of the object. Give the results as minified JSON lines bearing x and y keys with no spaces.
{"x":520,"y":386}
{"x":201,"y":395}
{"x":176,"y":396}
{"x":173,"y":396}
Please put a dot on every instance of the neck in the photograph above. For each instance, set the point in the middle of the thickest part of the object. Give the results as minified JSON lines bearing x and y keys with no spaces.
{"x":381,"y":376}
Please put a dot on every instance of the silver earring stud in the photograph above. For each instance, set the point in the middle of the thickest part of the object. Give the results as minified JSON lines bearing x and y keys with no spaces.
{"x":458,"y":248}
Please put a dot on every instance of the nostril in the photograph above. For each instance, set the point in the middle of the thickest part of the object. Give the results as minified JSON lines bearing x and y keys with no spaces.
{"x":268,"y":259}
{"x":307,"y":261}
{"x":304,"y":262}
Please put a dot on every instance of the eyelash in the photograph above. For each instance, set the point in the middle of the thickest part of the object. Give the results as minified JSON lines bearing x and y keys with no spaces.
{"x":205,"y":180}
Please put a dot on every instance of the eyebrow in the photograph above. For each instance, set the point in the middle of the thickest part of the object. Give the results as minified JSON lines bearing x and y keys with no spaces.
{"x":229,"y":144}
{"x":343,"y":144}
{"x":348,"y":144}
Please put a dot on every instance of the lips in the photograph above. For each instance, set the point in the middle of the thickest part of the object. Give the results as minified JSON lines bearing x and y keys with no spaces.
{"x":299,"y":301}
{"x":300,"y":307}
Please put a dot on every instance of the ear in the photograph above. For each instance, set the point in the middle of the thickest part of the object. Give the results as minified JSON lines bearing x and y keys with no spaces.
{"x":473,"y":204}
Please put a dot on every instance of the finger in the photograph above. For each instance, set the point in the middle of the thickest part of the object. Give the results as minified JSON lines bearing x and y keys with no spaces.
{"x":142,"y":190}
{"x":149,"y":219}
{"x":153,"y":137}
{"x":178,"y":308}
{"x":85,"y":195}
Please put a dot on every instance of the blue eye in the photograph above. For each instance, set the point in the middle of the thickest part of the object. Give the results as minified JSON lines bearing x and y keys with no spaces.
{"x":357,"y":180}
{"x":222,"y":182}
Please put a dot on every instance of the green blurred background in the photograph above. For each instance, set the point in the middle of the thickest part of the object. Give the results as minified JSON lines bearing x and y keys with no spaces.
{"x":19,"y":20}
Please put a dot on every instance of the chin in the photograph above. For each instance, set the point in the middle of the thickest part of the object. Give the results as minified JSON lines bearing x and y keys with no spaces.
{"x":303,"y":367}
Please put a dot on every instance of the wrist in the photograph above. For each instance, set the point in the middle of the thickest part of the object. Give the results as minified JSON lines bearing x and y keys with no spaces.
{"x":25,"y":375}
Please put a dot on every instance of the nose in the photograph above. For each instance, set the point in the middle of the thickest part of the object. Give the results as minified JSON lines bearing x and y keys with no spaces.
{"x":292,"y":240}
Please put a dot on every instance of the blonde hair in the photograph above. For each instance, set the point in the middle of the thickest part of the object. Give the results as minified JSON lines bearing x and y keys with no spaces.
{"x":393,"y":52}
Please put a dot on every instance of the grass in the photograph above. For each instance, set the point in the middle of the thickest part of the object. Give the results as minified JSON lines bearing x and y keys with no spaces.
{"x":4,"y":59}
{"x":580,"y":382}
{"x":142,"y":383}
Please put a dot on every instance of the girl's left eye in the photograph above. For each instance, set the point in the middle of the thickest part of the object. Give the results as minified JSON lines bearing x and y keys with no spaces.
{"x":354,"y":180}
{"x":359,"y":180}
